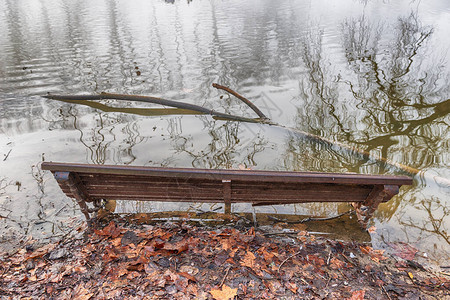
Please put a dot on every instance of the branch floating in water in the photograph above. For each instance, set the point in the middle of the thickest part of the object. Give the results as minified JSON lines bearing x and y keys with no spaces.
{"x":154,"y":100}
{"x":243,"y":99}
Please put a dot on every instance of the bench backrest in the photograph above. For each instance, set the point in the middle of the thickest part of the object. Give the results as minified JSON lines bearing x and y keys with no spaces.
{"x":201,"y":185}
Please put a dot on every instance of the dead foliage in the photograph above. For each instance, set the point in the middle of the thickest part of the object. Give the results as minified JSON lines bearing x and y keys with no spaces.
{"x":182,"y":261}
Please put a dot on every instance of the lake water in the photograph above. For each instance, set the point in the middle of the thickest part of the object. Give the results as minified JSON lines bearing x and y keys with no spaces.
{"x":370,"y":74}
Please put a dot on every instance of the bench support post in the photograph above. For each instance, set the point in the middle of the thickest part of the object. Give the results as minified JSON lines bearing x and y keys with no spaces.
{"x":365,"y":210}
{"x":227,"y":195}
{"x":76,"y":188}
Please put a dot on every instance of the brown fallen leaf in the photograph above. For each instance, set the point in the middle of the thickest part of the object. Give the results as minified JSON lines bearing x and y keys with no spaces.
{"x":404,"y":250}
{"x":336,"y":263}
{"x":225,"y":293}
{"x":110,"y":230}
{"x":248,"y":260}
{"x":372,"y":229}
{"x":375,"y":255}
{"x":358,"y":295}
{"x":187,"y":276}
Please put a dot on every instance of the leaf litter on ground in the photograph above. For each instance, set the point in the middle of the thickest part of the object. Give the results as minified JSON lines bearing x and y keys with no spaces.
{"x":177,"y":260}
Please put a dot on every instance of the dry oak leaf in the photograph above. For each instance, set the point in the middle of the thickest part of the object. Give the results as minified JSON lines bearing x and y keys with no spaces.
{"x":225,"y":293}
{"x":248,"y":260}
{"x":110,"y":230}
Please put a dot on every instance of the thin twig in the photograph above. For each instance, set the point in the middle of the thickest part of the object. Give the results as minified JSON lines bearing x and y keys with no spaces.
{"x":201,"y":212}
{"x":281,"y":233}
{"x":295,"y":233}
{"x":243,"y":99}
{"x":329,"y":256}
{"x":348,"y":260}
{"x":311,"y":219}
{"x":384,"y":290}
{"x":6,"y":156}
{"x":224,"y":277}
{"x":241,"y":217}
{"x":291,"y":256}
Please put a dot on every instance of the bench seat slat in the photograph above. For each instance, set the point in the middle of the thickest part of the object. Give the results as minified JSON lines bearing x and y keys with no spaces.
{"x":118,"y":193}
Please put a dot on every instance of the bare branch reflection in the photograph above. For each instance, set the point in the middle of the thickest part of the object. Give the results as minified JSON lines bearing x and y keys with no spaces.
{"x":100,"y":136}
{"x":398,"y":101}
{"x":224,"y":148}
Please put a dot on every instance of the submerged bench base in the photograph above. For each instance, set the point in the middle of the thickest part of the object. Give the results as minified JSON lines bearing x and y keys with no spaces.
{"x":94,"y":183}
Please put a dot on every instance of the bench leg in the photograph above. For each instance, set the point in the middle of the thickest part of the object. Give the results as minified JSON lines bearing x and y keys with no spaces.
{"x":365,"y":210}
{"x":75,"y":185}
{"x":227,"y":195}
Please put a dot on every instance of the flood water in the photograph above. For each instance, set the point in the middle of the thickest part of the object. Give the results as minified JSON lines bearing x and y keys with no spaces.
{"x":370,"y":74}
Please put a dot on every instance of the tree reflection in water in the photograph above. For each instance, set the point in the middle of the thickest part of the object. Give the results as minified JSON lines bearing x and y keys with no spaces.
{"x":100,"y":139}
{"x":389,"y":103}
{"x":432,"y":225}
{"x":227,"y":147}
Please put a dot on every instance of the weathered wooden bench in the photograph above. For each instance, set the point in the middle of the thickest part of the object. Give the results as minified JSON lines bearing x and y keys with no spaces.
{"x":94,"y":183}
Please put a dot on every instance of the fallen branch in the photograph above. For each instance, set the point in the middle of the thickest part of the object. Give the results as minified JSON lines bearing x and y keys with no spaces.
{"x":148,"y":112}
{"x":243,"y":99}
{"x":154,"y":100}
{"x":311,"y":219}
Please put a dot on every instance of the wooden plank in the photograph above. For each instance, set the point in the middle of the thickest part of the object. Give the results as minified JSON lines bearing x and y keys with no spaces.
{"x":240,"y":193}
{"x":220,"y":200}
{"x":124,"y":195}
{"x":245,"y":175}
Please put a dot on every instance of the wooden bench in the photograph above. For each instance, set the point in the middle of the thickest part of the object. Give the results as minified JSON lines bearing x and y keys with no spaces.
{"x":94,"y":183}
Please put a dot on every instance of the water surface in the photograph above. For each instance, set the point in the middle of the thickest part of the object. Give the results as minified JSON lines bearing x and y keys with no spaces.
{"x":370,"y":74}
